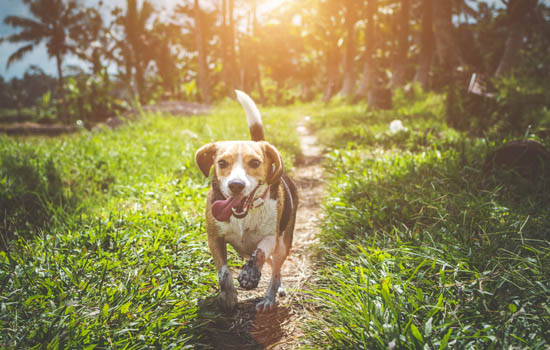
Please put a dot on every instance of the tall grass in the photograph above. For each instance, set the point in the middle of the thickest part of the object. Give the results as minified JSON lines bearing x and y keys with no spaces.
{"x":420,"y":248}
{"x":104,"y":232}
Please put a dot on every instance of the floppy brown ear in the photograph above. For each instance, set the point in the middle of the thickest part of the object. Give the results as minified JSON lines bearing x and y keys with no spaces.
{"x":205,"y":157}
{"x":276,"y":161}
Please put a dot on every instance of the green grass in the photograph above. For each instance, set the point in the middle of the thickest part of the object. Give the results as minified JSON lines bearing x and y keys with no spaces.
{"x":420,"y":249}
{"x":105,"y":232}
{"x":8,"y":115}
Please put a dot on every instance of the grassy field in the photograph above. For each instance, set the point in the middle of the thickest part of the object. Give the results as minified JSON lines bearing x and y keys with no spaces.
{"x":105,"y":232}
{"x":420,"y":248}
{"x":104,"y":242}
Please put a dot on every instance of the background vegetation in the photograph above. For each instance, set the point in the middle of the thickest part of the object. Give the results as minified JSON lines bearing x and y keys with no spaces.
{"x":285,"y":51}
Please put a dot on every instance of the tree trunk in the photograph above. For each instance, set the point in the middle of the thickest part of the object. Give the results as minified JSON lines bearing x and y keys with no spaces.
{"x":426,"y":45}
{"x":448,"y":52}
{"x":202,"y":78}
{"x":513,"y":45}
{"x":233,"y":71}
{"x":369,"y":75}
{"x":348,"y":85}
{"x":140,"y":79}
{"x":400,"y":60}
{"x":332,"y":71}
{"x":62,"y":113}
{"x":256,"y":69}
{"x":517,"y":13}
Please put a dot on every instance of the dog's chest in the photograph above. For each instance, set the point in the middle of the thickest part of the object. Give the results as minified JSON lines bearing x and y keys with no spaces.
{"x":245,"y":234}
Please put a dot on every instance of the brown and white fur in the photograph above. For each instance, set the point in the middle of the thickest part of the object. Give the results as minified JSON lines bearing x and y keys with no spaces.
{"x":248,"y":172}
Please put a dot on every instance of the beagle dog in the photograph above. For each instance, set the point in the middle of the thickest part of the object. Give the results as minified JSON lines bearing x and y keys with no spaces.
{"x":251,"y":205}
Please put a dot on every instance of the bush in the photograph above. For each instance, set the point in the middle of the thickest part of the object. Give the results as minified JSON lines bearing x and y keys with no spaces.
{"x":519,"y":105}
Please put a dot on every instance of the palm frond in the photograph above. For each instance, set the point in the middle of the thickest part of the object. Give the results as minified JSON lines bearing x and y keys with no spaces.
{"x":23,"y":22}
{"x":26,"y":35}
{"x":18,"y":55}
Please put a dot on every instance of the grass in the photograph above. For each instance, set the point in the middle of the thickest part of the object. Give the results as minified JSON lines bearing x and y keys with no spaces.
{"x":104,"y":242}
{"x":104,"y":232}
{"x":8,"y":115}
{"x":420,"y":249}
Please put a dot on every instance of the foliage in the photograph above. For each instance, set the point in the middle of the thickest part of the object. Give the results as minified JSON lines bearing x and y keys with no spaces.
{"x":519,"y":106}
{"x":420,"y":248}
{"x":91,"y":99}
{"x":127,"y":264}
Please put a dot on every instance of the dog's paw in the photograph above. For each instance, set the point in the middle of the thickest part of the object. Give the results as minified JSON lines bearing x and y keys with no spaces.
{"x":266,"y":305}
{"x":252,"y":271}
{"x":228,"y":300}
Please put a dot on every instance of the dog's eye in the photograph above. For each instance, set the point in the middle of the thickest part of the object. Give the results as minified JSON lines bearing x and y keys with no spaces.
{"x":222,"y":164}
{"x":254,"y":163}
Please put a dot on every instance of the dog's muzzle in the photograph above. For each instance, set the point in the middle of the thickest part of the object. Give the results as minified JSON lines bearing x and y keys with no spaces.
{"x":238,"y":206}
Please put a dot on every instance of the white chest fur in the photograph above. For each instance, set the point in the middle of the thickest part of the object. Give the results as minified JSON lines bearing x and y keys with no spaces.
{"x":245,"y":234}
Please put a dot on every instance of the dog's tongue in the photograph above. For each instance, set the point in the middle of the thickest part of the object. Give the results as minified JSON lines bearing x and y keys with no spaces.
{"x":222,"y":209}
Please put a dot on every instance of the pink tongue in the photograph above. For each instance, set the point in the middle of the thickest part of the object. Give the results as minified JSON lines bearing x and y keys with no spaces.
{"x":222,"y":209}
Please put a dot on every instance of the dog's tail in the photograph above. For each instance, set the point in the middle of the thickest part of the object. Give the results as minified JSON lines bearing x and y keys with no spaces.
{"x":253,"y":116}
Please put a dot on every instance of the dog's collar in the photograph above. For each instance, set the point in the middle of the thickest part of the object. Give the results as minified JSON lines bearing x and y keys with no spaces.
{"x":258,"y":202}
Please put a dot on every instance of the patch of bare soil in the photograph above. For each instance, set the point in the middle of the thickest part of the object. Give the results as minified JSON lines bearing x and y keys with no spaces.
{"x":280,"y":329}
{"x":29,"y":128}
{"x":179,"y":108}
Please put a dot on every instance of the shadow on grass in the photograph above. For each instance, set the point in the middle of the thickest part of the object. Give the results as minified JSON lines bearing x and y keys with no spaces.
{"x":31,"y":193}
{"x":242,"y":329}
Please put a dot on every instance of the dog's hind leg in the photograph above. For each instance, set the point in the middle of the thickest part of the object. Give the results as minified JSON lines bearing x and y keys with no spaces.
{"x":252,"y":270}
{"x":228,"y":293}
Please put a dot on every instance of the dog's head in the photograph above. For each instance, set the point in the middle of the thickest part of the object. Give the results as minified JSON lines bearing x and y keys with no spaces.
{"x":240,"y":168}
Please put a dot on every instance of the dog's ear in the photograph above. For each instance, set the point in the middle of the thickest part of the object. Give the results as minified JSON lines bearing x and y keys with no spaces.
{"x":276,"y":169}
{"x":205,"y":157}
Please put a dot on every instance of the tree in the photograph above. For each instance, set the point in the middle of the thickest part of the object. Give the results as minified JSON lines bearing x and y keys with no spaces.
{"x":448,"y":52}
{"x":52,"y":22}
{"x":369,"y":72}
{"x":400,"y":58}
{"x":330,"y":27}
{"x":427,"y":45}
{"x":348,"y":85}
{"x":92,"y":40}
{"x":517,"y":12}
{"x":227,"y":37}
{"x":134,"y":47}
{"x":201,"y":48}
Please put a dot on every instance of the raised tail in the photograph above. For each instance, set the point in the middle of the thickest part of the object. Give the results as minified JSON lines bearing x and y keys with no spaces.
{"x":253,"y":116}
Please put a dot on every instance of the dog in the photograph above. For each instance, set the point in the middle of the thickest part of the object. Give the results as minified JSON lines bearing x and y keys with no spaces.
{"x":251,"y":205}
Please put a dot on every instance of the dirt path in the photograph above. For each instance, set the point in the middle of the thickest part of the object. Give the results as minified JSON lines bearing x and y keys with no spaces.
{"x":246,"y":329}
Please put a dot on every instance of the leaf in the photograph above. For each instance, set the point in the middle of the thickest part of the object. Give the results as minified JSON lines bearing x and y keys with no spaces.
{"x":428,"y":327}
{"x":416,"y":333}
{"x":105,"y":310}
{"x":445,"y":340}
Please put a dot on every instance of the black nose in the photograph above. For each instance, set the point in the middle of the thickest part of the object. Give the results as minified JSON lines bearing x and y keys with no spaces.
{"x":236,"y":186}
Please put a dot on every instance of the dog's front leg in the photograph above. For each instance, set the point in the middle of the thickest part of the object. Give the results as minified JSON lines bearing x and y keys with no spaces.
{"x":228,"y":293}
{"x":269,"y":303}
{"x":252,"y":270}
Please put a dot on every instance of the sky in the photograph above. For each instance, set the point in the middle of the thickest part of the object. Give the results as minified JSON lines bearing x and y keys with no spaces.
{"x":39,"y":55}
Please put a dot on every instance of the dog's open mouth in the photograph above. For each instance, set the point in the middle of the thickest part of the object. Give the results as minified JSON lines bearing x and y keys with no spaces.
{"x":237,"y":206}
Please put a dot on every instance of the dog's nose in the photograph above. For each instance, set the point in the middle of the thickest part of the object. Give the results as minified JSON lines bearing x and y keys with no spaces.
{"x":236,"y":186}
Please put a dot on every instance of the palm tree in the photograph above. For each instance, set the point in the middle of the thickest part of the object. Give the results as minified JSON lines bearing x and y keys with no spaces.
{"x":135,"y":46}
{"x":51,"y":22}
